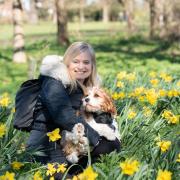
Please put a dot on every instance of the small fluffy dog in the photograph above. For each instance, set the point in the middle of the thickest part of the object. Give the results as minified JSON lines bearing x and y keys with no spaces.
{"x":99,"y":112}
{"x":74,"y":143}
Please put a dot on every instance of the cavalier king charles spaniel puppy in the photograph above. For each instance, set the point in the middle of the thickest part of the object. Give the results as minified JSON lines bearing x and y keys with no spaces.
{"x":100,"y":113}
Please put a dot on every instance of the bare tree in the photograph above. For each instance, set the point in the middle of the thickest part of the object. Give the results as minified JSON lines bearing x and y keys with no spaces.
{"x":156,"y":17}
{"x":81,"y":11}
{"x":33,"y":12}
{"x":62,"y":33}
{"x":106,"y":8}
{"x":163,"y":18}
{"x":129,"y":9}
{"x":129,"y":13}
{"x":172,"y":19}
{"x":19,"y":54}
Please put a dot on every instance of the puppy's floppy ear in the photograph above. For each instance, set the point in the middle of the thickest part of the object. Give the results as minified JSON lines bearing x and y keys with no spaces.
{"x":108,"y":104}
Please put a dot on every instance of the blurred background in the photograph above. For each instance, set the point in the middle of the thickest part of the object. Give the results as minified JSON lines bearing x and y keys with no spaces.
{"x":131,"y":35}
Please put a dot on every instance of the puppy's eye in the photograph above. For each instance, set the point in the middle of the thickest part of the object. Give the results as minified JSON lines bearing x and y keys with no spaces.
{"x":96,"y":95}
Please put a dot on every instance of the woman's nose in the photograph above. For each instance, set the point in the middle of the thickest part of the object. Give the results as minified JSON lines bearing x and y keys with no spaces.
{"x":81,"y":65}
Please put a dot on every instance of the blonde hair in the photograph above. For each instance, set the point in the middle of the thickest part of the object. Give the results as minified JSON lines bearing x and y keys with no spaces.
{"x":74,"y":50}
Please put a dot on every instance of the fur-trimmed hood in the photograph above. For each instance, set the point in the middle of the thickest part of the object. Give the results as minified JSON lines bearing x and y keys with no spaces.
{"x":53,"y":66}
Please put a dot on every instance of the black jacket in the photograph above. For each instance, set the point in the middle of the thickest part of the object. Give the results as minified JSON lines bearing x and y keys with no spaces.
{"x":57,"y":106}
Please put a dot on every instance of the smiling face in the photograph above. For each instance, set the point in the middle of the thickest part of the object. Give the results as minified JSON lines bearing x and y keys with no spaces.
{"x":80,"y":67}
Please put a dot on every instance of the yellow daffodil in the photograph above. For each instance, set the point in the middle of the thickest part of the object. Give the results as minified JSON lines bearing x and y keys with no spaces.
{"x":7,"y":176}
{"x":54,"y":135}
{"x":164,"y":145}
{"x":152,"y":74}
{"x":162,"y":93}
{"x":88,"y":174}
{"x":129,"y":167}
{"x":75,"y":178}
{"x":173,"y":93}
{"x":37,"y":176}
{"x":5,"y":101}
{"x":120,"y":84}
{"x":61,"y":168}
{"x":115,"y":96}
{"x":154,"y":82}
{"x":173,"y":120}
{"x":164,"y":175}
{"x":138,"y":91}
{"x":121,"y":75}
{"x":170,"y":117}
{"x":17,"y":165}
{"x":178,"y":159}
{"x":50,"y":169}
{"x":131,"y":77}
{"x":166,"y":77}
{"x":131,"y":115}
{"x":2,"y":130}
{"x":51,"y":178}
{"x":141,"y":98}
{"x":121,"y":95}
{"x":167,"y":114}
{"x":151,"y":96}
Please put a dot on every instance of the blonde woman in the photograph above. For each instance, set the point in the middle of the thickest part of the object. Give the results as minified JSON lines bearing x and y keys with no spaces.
{"x":62,"y":82}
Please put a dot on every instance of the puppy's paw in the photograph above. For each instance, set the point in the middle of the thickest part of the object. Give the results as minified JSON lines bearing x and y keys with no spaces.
{"x":78,"y":129}
{"x":108,"y":133}
{"x":111,"y":137}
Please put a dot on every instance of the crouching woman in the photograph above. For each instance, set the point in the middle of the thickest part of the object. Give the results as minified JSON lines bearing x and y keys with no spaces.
{"x":60,"y":100}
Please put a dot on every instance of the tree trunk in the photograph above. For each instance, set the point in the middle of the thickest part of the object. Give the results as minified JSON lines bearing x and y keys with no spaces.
{"x":62,"y":33}
{"x":33,"y":12}
{"x":105,"y":11}
{"x":81,"y":11}
{"x":19,"y":54}
{"x":156,"y":18}
{"x":129,"y":11}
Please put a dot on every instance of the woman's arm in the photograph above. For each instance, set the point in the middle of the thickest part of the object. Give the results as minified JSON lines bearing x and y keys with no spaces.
{"x":54,"y":96}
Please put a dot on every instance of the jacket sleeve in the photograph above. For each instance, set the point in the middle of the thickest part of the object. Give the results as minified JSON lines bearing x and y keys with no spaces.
{"x":56,"y":99}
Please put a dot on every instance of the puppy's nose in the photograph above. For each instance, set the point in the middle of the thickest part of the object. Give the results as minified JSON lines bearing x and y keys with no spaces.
{"x":86,"y":99}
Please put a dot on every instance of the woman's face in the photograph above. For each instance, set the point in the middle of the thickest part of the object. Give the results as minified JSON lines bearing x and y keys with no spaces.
{"x":80,"y":67}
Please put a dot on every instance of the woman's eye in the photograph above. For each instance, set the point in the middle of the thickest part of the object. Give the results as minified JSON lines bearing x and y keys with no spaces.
{"x":86,"y":62}
{"x":75,"y":61}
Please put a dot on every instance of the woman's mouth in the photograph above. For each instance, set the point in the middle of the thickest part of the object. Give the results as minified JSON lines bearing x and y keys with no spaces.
{"x":80,"y":72}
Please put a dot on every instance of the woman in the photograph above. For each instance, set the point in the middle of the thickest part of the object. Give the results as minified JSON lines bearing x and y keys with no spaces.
{"x":60,"y":100}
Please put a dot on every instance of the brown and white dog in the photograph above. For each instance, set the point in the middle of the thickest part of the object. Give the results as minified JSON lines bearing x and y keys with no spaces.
{"x":99,"y":112}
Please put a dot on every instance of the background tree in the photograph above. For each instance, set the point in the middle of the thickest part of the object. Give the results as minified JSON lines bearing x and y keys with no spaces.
{"x":81,"y":11}
{"x":153,"y":17}
{"x":62,"y":33}
{"x":171,"y":15}
{"x":106,"y":10}
{"x":128,"y":6}
{"x":33,"y":12}
{"x":19,"y":54}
